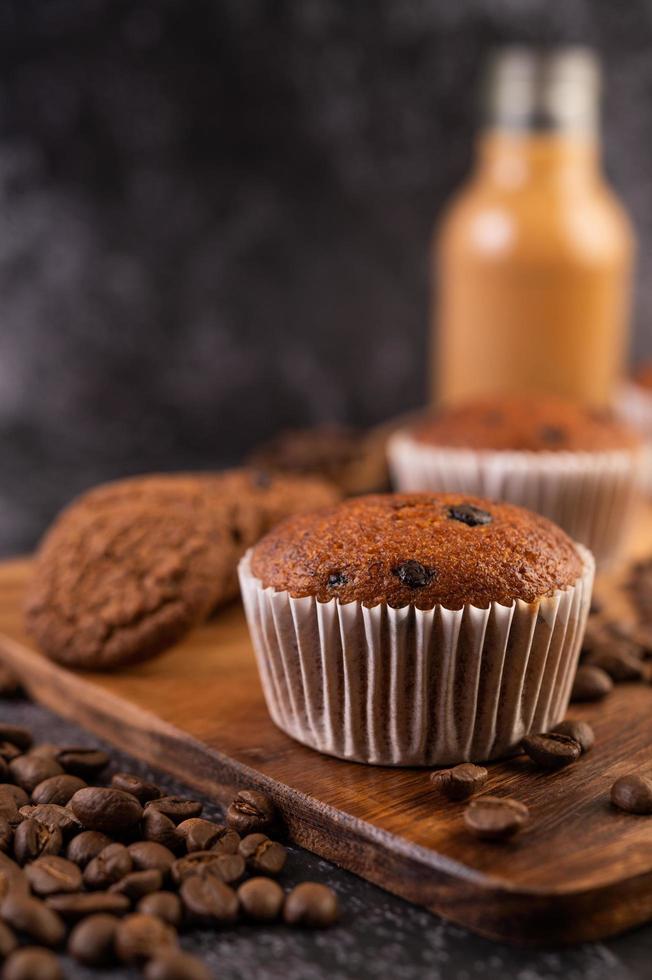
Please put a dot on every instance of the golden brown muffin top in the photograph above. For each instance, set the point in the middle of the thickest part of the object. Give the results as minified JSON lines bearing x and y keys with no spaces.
{"x":418,"y":549}
{"x":534,"y":423}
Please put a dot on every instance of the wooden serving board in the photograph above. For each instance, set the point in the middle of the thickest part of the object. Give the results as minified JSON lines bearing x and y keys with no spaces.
{"x":581,"y":871}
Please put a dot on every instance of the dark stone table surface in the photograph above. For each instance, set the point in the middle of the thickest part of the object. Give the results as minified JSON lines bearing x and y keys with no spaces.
{"x":379,"y":936}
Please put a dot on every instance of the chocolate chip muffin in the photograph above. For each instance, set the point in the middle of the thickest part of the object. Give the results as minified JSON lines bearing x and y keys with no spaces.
{"x":98,"y":598}
{"x":577,"y":465}
{"x":416,"y":629}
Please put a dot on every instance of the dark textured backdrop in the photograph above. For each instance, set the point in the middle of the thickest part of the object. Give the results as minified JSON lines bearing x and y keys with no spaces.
{"x":214,"y":215}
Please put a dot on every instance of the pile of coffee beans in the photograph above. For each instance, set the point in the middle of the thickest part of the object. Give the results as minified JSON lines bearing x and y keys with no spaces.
{"x":110,"y":868}
{"x":614,"y":651}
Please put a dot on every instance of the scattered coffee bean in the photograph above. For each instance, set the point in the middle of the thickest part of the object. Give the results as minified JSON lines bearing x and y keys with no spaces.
{"x":140,"y":937}
{"x":8,"y":791}
{"x":581,"y":731}
{"x":207,"y":899}
{"x":33,"y":839}
{"x":12,"y":877}
{"x":51,"y":874}
{"x":469,"y":514}
{"x":33,"y":917}
{"x":140,"y":788}
{"x":620,"y":666}
{"x":495,"y":818}
{"x":261,"y":899}
{"x":251,"y":811}
{"x":460,"y":782}
{"x":77,"y":906}
{"x":177,"y":808}
{"x":138,"y":883}
{"x":57,"y":789}
{"x":91,"y":941}
{"x":45,"y":749}
{"x":6,"y":835}
{"x":10,"y":686}
{"x":159,"y":829}
{"x":83,"y":762}
{"x":30,"y":770}
{"x":164,"y":905}
{"x":32,"y":963}
{"x":8,"y":941}
{"x":16,"y":735}
{"x":53,"y":816}
{"x":413,"y":574}
{"x":110,"y":865}
{"x":111,"y":811}
{"x":150,"y":856}
{"x":550,"y":750}
{"x":311,"y":904}
{"x":175,"y":965}
{"x":633,"y":793}
{"x":227,"y":867}
{"x":262,"y":854}
{"x":86,"y":846}
{"x":591,"y":684}
{"x":204,"y":835}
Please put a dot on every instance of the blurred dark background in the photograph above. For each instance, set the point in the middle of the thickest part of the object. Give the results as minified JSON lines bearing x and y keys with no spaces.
{"x":215,"y":216}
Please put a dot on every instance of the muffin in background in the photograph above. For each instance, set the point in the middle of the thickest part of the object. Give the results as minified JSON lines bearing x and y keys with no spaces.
{"x":581,"y":467}
{"x":416,"y":629}
{"x":634,"y":407}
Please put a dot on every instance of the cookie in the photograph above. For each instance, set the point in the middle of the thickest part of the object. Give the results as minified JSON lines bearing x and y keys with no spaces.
{"x":119,"y":584}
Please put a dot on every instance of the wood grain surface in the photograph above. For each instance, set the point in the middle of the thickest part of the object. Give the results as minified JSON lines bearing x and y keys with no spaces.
{"x":581,"y":871}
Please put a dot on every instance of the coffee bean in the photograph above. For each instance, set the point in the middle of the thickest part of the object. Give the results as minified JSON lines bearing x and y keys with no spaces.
{"x":164,"y":905}
{"x":460,"y":782}
{"x":175,"y":965}
{"x":140,"y":788}
{"x":591,"y":684}
{"x":53,"y":816}
{"x":204,"y":835}
{"x":83,"y":762}
{"x":91,"y":941}
{"x":51,"y":874}
{"x":9,"y":792}
{"x":57,"y":789}
{"x":140,"y":937}
{"x":16,"y":735}
{"x":177,"y":808}
{"x":111,"y":811}
{"x":150,"y":856}
{"x":32,"y":963}
{"x":10,"y":686}
{"x":33,"y":839}
{"x":207,"y":899}
{"x":250,"y":811}
{"x":33,"y":917}
{"x":261,"y":899}
{"x":138,"y":883}
{"x":86,"y":846}
{"x":9,"y":811}
{"x":159,"y":829}
{"x":633,"y":793}
{"x":551,"y":750}
{"x":6,"y":835}
{"x":413,"y":574}
{"x":12,"y":877}
{"x":495,"y":818}
{"x":469,"y":514}
{"x":262,"y":854}
{"x":77,"y":906}
{"x":311,"y":904}
{"x":110,"y":865}
{"x":9,"y":751}
{"x":8,"y":941}
{"x":222,"y":865}
{"x":620,"y":666}
{"x":581,"y":731}
{"x":30,"y":770}
{"x":45,"y":749}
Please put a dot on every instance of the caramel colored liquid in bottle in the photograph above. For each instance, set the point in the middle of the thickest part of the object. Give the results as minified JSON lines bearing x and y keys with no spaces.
{"x":532,"y":261}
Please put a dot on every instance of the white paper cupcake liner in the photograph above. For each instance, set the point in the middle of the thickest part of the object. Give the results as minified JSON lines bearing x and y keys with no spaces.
{"x":408,"y":687}
{"x":634,"y":406}
{"x":593,"y":496}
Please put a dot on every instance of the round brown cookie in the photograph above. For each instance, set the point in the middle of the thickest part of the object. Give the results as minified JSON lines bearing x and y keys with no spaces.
{"x":123,"y":582}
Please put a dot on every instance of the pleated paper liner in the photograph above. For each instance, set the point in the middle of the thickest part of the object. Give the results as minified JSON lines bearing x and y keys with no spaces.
{"x":592,"y":496}
{"x":408,"y":687}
